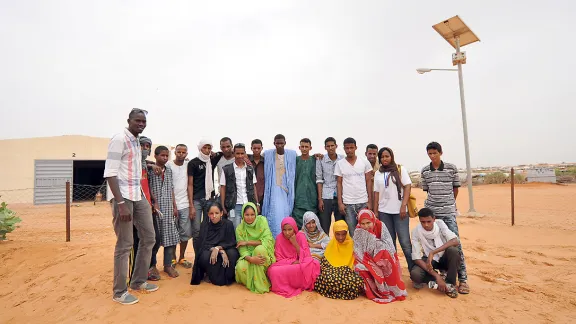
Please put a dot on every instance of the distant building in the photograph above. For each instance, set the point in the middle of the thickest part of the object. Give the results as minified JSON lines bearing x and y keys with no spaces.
{"x":541,"y":175}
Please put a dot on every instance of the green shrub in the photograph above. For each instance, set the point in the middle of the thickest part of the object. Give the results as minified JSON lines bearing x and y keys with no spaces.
{"x":495,"y":178}
{"x":8,"y":220}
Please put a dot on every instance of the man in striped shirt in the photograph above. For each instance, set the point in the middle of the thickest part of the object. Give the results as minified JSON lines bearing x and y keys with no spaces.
{"x":441,"y":181}
{"x":123,"y":171}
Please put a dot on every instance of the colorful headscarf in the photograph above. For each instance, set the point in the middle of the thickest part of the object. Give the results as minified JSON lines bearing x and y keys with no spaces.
{"x":257,"y":231}
{"x":340,"y":254}
{"x":368,"y":214}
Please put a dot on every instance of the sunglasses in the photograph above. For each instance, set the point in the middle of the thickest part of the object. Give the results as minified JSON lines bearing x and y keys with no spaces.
{"x":138,"y":110}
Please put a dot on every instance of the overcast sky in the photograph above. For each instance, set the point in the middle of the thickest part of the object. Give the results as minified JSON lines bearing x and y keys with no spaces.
{"x":252,"y":69}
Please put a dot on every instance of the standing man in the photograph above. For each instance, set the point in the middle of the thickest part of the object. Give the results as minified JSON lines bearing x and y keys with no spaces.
{"x":280,"y":173}
{"x":179,"y":168}
{"x":441,"y":181}
{"x":237,"y":182}
{"x":123,"y":172}
{"x":257,"y":160}
{"x":306,"y":195}
{"x":200,"y":185}
{"x":326,"y":183}
{"x":153,"y":274}
{"x":225,"y":156}
{"x":354,"y":184}
{"x":372,"y":156}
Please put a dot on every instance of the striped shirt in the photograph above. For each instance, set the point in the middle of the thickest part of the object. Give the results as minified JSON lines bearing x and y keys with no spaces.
{"x":124,"y":161}
{"x":440,"y":184}
{"x":325,"y":175}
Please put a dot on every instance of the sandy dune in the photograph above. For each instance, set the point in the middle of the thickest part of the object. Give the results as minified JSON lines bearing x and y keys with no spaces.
{"x":520,"y":274}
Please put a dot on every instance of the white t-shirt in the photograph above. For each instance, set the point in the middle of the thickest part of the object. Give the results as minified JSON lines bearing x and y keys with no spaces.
{"x":180,"y":181}
{"x":388,"y":196}
{"x":221,"y":163}
{"x":353,"y":180}
{"x":240,"y":174}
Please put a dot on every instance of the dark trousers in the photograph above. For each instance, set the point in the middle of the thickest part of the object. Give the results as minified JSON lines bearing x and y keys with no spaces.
{"x":169,"y":255}
{"x":330,"y":206}
{"x":450,"y":262}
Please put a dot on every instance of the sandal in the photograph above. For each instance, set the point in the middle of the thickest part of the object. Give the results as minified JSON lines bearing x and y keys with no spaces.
{"x":153,"y":274}
{"x":185,"y":263}
{"x":463,"y":288}
{"x":451,"y":291}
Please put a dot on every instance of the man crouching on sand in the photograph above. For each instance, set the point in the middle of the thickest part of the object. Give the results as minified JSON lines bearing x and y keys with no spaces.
{"x":123,"y":171}
{"x":434,"y":247}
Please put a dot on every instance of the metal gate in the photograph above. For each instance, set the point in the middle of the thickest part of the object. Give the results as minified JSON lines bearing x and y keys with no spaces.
{"x":50,"y":178}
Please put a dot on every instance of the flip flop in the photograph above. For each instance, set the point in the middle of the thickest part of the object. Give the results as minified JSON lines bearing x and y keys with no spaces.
{"x":463,"y":288}
{"x":451,"y":292}
{"x":185,"y":263}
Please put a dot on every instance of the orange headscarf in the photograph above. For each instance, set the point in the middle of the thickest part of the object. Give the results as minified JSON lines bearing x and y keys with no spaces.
{"x":340,"y":254}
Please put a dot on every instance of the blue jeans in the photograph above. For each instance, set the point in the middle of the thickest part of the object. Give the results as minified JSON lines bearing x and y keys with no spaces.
{"x":401,"y":228}
{"x":453,"y":226}
{"x":184,"y":225}
{"x":237,"y":219}
{"x":351,"y":216}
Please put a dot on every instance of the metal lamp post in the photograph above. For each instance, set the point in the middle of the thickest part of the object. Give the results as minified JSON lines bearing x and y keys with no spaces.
{"x":455,"y":32}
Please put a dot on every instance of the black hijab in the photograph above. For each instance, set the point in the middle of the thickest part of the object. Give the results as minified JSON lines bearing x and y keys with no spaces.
{"x":393,"y":169}
{"x":211,"y":235}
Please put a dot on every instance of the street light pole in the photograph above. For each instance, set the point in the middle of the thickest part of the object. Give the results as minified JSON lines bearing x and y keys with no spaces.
{"x":471,"y":209}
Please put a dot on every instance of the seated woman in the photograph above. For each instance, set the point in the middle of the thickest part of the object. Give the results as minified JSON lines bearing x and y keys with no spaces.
{"x":376,"y":260}
{"x":256,"y":247}
{"x":295,"y":270}
{"x":317,"y":238}
{"x":215,"y":249}
{"x":337,"y":278}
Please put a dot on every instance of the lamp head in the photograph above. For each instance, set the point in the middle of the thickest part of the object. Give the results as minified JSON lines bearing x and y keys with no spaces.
{"x":423,"y":70}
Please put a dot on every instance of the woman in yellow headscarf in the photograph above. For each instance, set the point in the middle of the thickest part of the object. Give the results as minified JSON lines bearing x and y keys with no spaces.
{"x":337,"y":277}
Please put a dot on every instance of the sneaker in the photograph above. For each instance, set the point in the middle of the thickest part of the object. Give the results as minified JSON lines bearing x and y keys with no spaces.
{"x":419,"y":285}
{"x":147,"y":287}
{"x":126,"y":299}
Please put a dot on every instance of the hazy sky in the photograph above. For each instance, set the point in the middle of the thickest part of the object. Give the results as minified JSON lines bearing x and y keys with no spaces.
{"x":252,"y":69}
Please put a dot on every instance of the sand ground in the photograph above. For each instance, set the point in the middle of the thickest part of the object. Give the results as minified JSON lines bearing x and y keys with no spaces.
{"x":520,"y":274}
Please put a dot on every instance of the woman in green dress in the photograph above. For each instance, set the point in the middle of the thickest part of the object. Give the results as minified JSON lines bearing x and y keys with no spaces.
{"x":256,"y":247}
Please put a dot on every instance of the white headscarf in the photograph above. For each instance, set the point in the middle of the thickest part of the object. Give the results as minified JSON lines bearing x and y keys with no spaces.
{"x":208,"y":180}
{"x":433,"y":235}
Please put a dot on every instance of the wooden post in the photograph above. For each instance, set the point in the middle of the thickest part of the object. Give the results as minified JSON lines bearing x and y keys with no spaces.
{"x":512,"y":192}
{"x":67,"y":211}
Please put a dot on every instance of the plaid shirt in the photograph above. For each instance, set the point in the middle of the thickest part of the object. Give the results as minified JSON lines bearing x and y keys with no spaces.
{"x":124,"y":161}
{"x":325,"y":175}
{"x":162,"y":187}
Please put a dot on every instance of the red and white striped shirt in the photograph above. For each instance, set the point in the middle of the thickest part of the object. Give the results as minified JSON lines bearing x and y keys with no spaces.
{"x":124,"y":161}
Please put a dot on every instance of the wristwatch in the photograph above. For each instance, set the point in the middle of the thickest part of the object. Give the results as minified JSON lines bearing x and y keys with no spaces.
{"x":258,"y":204}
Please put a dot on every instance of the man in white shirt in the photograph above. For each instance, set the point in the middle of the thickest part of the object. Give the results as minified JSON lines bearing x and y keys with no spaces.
{"x":123,"y":172}
{"x":237,"y":185}
{"x":434,"y":246}
{"x":179,"y":169}
{"x":354,"y":178}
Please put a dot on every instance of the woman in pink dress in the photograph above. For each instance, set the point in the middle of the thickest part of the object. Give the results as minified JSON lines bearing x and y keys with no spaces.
{"x":294,"y":270}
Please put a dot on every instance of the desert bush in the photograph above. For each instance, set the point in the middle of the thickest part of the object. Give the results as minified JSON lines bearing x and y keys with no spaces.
{"x":8,"y":221}
{"x":495,"y":178}
{"x":519,"y":178}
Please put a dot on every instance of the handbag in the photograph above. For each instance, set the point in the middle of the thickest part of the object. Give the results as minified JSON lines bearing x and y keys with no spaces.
{"x":412,"y":209}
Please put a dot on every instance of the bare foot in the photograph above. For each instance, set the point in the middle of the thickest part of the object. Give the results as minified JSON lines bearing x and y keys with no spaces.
{"x":171,"y":272}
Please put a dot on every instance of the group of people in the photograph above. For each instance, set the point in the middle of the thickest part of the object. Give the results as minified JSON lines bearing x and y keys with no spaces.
{"x":267,"y":223}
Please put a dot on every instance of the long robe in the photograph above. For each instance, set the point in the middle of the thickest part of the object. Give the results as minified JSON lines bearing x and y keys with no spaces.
{"x":306,"y":196}
{"x":211,"y":235}
{"x":253,"y":276}
{"x":278,"y":200}
{"x":289,"y":279}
